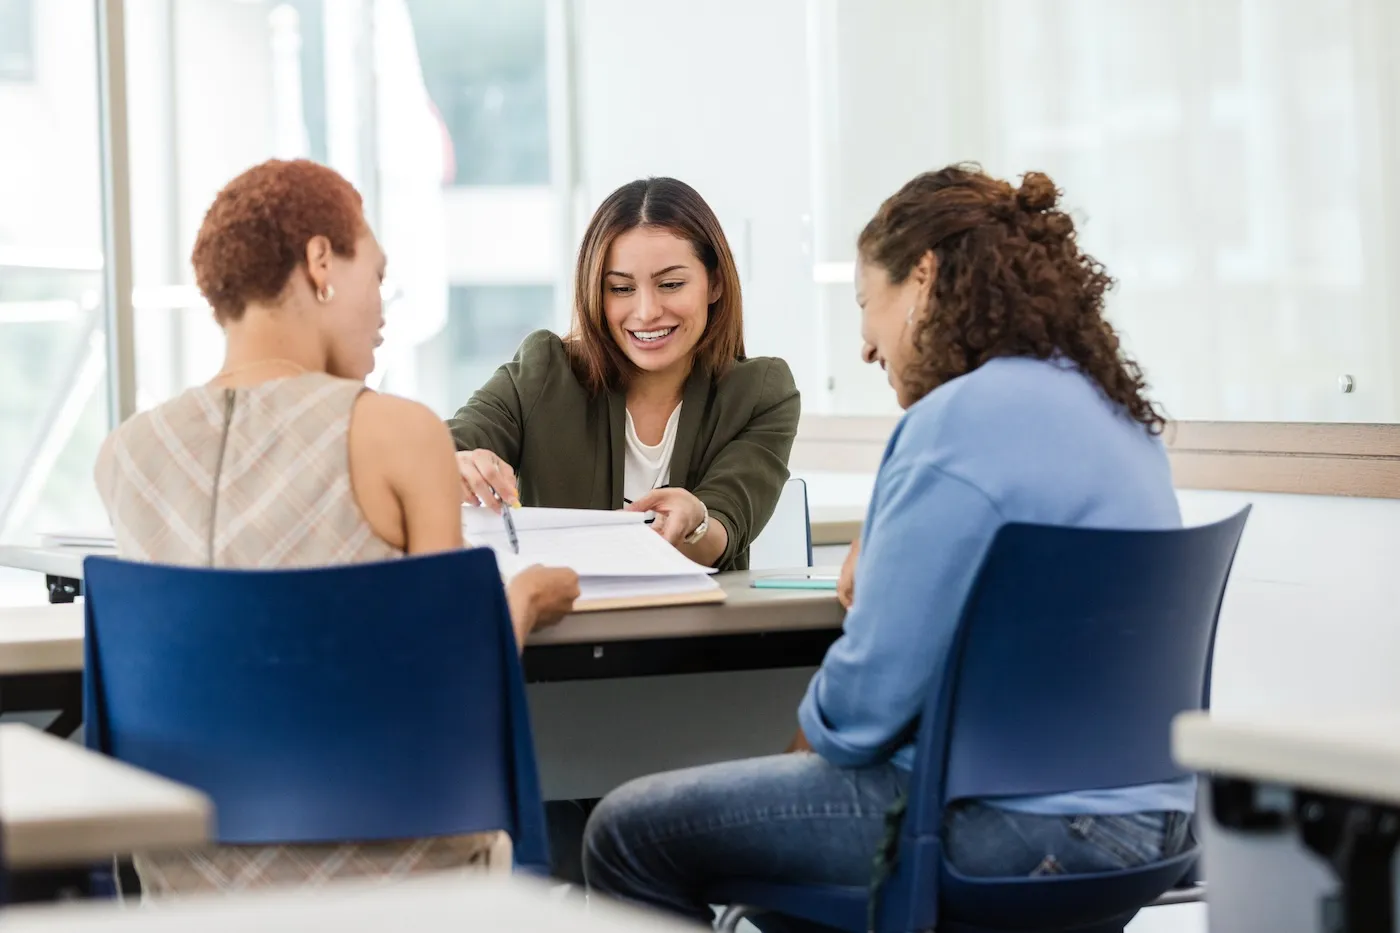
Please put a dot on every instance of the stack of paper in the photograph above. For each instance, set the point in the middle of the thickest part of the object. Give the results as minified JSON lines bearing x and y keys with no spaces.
{"x":620,"y":561}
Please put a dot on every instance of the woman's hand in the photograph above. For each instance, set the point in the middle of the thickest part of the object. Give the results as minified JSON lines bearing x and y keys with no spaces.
{"x":540,"y":596}
{"x":846,"y":583}
{"x":485,"y":476}
{"x":799,"y":743}
{"x":678,"y":513}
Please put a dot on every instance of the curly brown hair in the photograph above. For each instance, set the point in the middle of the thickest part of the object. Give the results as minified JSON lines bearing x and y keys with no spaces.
{"x":255,"y":233}
{"x":1010,"y":280}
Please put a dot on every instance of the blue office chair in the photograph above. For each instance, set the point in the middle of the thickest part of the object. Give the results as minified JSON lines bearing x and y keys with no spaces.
{"x":356,"y":703}
{"x":1074,"y":651}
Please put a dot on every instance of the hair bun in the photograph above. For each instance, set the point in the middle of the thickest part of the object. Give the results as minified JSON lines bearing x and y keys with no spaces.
{"x":1037,"y":192}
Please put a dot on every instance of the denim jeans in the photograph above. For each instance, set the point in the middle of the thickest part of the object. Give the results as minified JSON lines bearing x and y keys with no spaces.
{"x":662,"y":840}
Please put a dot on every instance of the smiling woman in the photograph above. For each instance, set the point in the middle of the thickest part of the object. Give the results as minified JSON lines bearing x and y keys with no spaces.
{"x":649,"y":403}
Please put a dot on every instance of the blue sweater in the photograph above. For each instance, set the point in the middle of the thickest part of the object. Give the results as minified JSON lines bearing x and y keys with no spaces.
{"x":1017,"y":440}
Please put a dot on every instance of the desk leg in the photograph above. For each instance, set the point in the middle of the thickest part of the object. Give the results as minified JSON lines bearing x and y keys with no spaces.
{"x":1356,"y":838}
{"x":54,"y":884}
{"x":40,"y":693}
{"x":63,"y":589}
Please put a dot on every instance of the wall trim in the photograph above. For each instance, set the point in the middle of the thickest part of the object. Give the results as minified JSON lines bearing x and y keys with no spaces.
{"x":1309,"y":459}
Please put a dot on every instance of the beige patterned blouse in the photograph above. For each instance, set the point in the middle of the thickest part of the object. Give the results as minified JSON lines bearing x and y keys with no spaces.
{"x":257,"y":477}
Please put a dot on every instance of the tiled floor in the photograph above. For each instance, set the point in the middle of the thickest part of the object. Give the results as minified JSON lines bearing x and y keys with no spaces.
{"x":1179,"y":918}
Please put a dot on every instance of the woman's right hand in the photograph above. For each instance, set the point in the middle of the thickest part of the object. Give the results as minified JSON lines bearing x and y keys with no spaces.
{"x":541,"y":596}
{"x":482,"y":473}
{"x":846,"y":583}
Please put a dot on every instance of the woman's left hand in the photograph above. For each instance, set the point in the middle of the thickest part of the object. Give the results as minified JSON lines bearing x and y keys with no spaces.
{"x":678,"y":512}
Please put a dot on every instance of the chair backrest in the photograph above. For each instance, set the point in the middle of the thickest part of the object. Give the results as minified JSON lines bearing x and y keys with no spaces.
{"x":363,"y":702}
{"x":1075,"y":649}
{"x":786,"y":541}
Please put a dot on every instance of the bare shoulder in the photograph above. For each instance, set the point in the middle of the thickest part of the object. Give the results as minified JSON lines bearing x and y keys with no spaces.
{"x":402,"y":468}
{"x":394,"y":420}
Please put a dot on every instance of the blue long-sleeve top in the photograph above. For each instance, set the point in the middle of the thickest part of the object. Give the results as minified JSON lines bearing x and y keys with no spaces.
{"x":1017,"y":440}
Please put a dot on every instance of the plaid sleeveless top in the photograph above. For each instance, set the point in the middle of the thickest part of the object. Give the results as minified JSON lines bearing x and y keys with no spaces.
{"x":251,"y":477}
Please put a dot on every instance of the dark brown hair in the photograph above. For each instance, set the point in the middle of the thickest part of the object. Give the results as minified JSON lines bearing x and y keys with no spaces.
{"x":1011,"y":280}
{"x":670,"y":205}
{"x":255,"y":233}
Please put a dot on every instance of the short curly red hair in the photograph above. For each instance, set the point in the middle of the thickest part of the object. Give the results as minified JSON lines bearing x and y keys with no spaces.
{"x":256,"y":231}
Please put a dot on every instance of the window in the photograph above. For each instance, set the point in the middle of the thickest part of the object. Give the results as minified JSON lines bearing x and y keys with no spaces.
{"x":437,"y":110}
{"x":1226,"y":161}
{"x":53,"y":402}
{"x":16,"y":41}
{"x":491,"y":278}
{"x":485,"y":324}
{"x":484,"y":63}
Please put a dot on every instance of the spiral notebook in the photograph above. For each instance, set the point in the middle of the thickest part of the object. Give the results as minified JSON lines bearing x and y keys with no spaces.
{"x":621,"y":562}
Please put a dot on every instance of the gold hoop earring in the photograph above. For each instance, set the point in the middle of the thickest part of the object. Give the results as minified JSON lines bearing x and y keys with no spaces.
{"x":326,"y":292}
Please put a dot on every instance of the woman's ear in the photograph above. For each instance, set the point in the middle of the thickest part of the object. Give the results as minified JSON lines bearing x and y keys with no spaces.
{"x":716,"y":288}
{"x":925,"y":269}
{"x":318,"y":261}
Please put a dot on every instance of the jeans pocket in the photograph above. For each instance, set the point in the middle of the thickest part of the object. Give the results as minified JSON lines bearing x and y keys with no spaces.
{"x":1120,"y":841}
{"x":1177,"y":835}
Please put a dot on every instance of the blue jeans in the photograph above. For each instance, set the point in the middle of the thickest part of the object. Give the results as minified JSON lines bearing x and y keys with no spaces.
{"x":662,"y":840}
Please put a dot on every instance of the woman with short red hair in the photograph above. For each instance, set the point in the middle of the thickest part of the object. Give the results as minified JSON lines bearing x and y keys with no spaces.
{"x":285,"y":459}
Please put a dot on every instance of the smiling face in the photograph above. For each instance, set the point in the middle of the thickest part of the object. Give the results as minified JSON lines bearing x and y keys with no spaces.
{"x":888,"y":315}
{"x":656,"y":298}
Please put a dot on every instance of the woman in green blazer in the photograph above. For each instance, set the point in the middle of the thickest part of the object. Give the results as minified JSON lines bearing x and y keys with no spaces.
{"x":649,"y":403}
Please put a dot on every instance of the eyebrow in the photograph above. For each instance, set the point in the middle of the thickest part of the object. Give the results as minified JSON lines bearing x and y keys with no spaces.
{"x":655,"y":275}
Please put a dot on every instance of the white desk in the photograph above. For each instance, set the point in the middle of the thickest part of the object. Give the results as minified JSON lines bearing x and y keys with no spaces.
{"x":446,"y":904}
{"x":58,"y":562}
{"x":41,"y":639}
{"x":613,"y":695}
{"x":1351,"y":756}
{"x":1303,"y":816}
{"x":41,"y":662}
{"x":61,"y":567}
{"x":61,"y":804}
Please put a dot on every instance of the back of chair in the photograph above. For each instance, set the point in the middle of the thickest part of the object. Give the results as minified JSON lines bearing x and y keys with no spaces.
{"x":1075,"y":650}
{"x":785,"y":542}
{"x":365,"y":702}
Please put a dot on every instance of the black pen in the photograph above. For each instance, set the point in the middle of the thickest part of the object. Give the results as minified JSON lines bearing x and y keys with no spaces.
{"x":510,"y":522}
{"x":645,"y":521}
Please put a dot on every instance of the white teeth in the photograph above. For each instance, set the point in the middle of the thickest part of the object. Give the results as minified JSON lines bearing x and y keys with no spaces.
{"x":651,"y":334}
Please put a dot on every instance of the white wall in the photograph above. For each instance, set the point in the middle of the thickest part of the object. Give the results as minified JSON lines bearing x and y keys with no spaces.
{"x":1311,"y":620}
{"x":714,"y":95}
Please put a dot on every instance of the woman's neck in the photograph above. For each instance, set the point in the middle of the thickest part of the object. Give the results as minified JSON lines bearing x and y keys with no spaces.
{"x":263,"y":345}
{"x":655,"y":390}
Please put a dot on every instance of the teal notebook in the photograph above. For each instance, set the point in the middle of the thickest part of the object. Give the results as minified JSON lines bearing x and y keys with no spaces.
{"x":796,"y":581}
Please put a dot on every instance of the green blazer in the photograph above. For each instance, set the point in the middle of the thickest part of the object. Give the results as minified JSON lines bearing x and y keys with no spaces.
{"x":566,"y":446}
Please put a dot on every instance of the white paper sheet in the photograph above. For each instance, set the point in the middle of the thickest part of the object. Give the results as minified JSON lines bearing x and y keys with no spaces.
{"x":477,"y":520}
{"x":618,"y":551}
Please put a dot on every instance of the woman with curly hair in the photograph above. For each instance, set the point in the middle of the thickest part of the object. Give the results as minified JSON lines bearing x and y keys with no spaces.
{"x":1021,"y":407}
{"x":285,"y":459}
